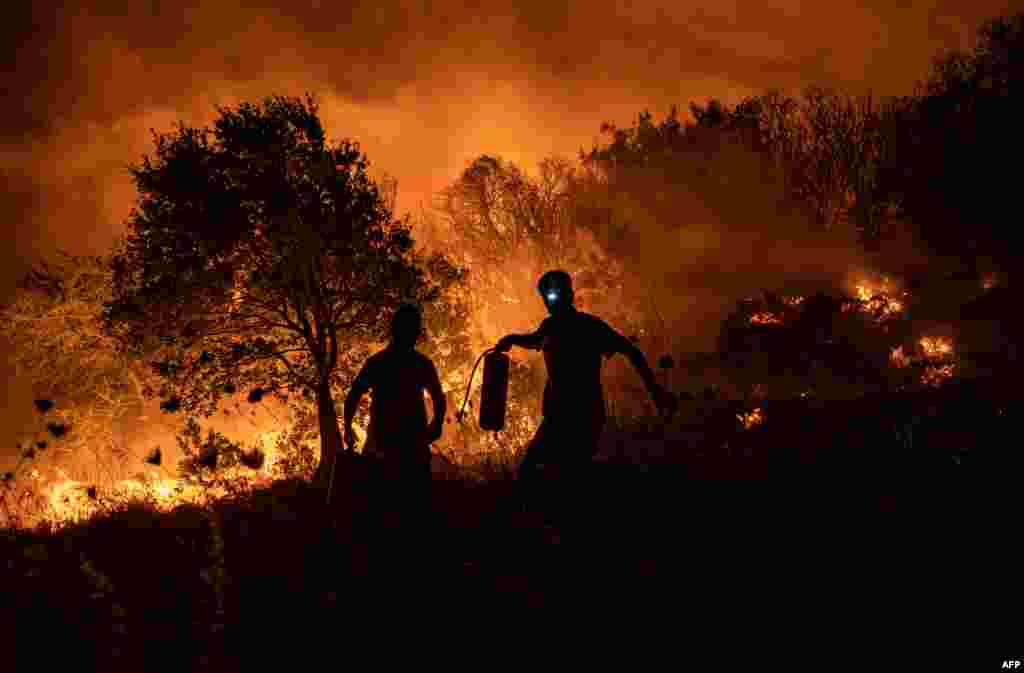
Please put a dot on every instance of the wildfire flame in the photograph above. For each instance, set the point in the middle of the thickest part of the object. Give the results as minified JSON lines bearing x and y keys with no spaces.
{"x":936,"y":375}
{"x":936,"y":347}
{"x":66,"y":501}
{"x":754,"y":418}
{"x":934,"y":353}
{"x":879,"y":300}
{"x":765,"y":318}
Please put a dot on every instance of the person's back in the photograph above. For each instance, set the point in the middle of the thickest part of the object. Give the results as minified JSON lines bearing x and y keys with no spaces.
{"x":397,"y":378}
{"x":574,"y":344}
{"x":399,"y":437}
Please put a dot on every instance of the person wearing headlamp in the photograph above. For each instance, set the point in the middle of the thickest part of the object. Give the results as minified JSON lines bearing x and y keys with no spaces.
{"x":573,"y":343}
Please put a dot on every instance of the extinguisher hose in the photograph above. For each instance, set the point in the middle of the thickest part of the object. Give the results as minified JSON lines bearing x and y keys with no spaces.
{"x":469,"y":385}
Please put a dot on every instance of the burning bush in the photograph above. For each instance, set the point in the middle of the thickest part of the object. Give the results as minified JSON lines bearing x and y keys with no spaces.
{"x":881,"y":301}
{"x":752,"y":418}
{"x":765,"y":318}
{"x":936,"y":375}
{"x":936,"y":348}
{"x":932,"y":359}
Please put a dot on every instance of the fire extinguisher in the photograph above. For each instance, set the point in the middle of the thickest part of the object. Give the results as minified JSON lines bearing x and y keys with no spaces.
{"x":494,"y":394}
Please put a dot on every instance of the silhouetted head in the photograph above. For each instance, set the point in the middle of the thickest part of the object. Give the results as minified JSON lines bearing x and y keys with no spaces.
{"x":406,"y":326}
{"x":555,"y":289}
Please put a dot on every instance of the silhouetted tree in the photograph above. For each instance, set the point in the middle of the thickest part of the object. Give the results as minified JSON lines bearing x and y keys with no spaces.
{"x":261,"y":255}
{"x":831,"y":150}
{"x":712,"y":115}
{"x":962,"y":147}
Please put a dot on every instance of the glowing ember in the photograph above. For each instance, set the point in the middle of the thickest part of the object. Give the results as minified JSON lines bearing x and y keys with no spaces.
{"x":936,"y":375}
{"x":898,"y":358}
{"x":793,"y":301}
{"x":865,"y":293}
{"x":936,"y":347}
{"x":765,"y":318}
{"x":989,"y":281}
{"x":879,"y":301}
{"x":755,"y":417}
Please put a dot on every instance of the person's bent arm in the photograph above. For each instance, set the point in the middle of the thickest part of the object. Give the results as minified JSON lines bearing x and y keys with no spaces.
{"x":355,"y":394}
{"x":440,"y":404}
{"x":663,"y":399}
{"x":639,"y":361}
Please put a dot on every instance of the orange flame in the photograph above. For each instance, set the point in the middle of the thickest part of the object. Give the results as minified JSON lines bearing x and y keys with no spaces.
{"x":754,"y":418}
{"x":936,"y":347}
{"x":878,"y":300}
{"x":936,"y":375}
{"x":765,"y":318}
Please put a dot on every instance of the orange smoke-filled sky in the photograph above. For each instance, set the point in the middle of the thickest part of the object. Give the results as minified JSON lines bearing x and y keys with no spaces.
{"x":423,"y":86}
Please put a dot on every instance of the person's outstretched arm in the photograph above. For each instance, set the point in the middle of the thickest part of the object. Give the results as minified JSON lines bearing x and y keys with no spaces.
{"x":532,"y":341}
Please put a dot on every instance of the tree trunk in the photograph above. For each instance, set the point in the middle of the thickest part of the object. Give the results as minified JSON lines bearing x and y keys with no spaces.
{"x":330,"y":435}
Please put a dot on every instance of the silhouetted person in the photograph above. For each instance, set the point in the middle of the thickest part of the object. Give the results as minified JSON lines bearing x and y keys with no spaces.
{"x":399,"y":438}
{"x":573,"y":343}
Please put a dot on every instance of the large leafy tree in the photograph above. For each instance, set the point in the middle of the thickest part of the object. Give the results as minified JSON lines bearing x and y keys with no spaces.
{"x":262,"y":258}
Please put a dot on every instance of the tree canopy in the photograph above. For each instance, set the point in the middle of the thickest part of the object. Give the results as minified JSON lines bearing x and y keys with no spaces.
{"x":962,"y":148}
{"x":263,"y":258}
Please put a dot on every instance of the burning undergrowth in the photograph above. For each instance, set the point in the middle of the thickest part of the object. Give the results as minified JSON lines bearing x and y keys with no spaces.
{"x":506,"y":228}
{"x":779,"y":345}
{"x":846,"y":344}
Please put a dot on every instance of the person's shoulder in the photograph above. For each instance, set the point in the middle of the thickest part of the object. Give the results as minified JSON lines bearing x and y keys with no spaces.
{"x":373,"y":362}
{"x":593,"y":321}
{"x":611,"y":339}
{"x":422,"y":360}
{"x":371,"y":365}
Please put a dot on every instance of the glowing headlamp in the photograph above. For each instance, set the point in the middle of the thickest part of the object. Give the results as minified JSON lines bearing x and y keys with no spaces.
{"x":552,"y":296}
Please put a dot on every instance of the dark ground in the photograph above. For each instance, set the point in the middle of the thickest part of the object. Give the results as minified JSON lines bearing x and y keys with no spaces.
{"x":804,"y":528}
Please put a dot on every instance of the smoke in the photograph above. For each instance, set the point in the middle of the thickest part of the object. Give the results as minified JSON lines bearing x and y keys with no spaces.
{"x":425,"y":86}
